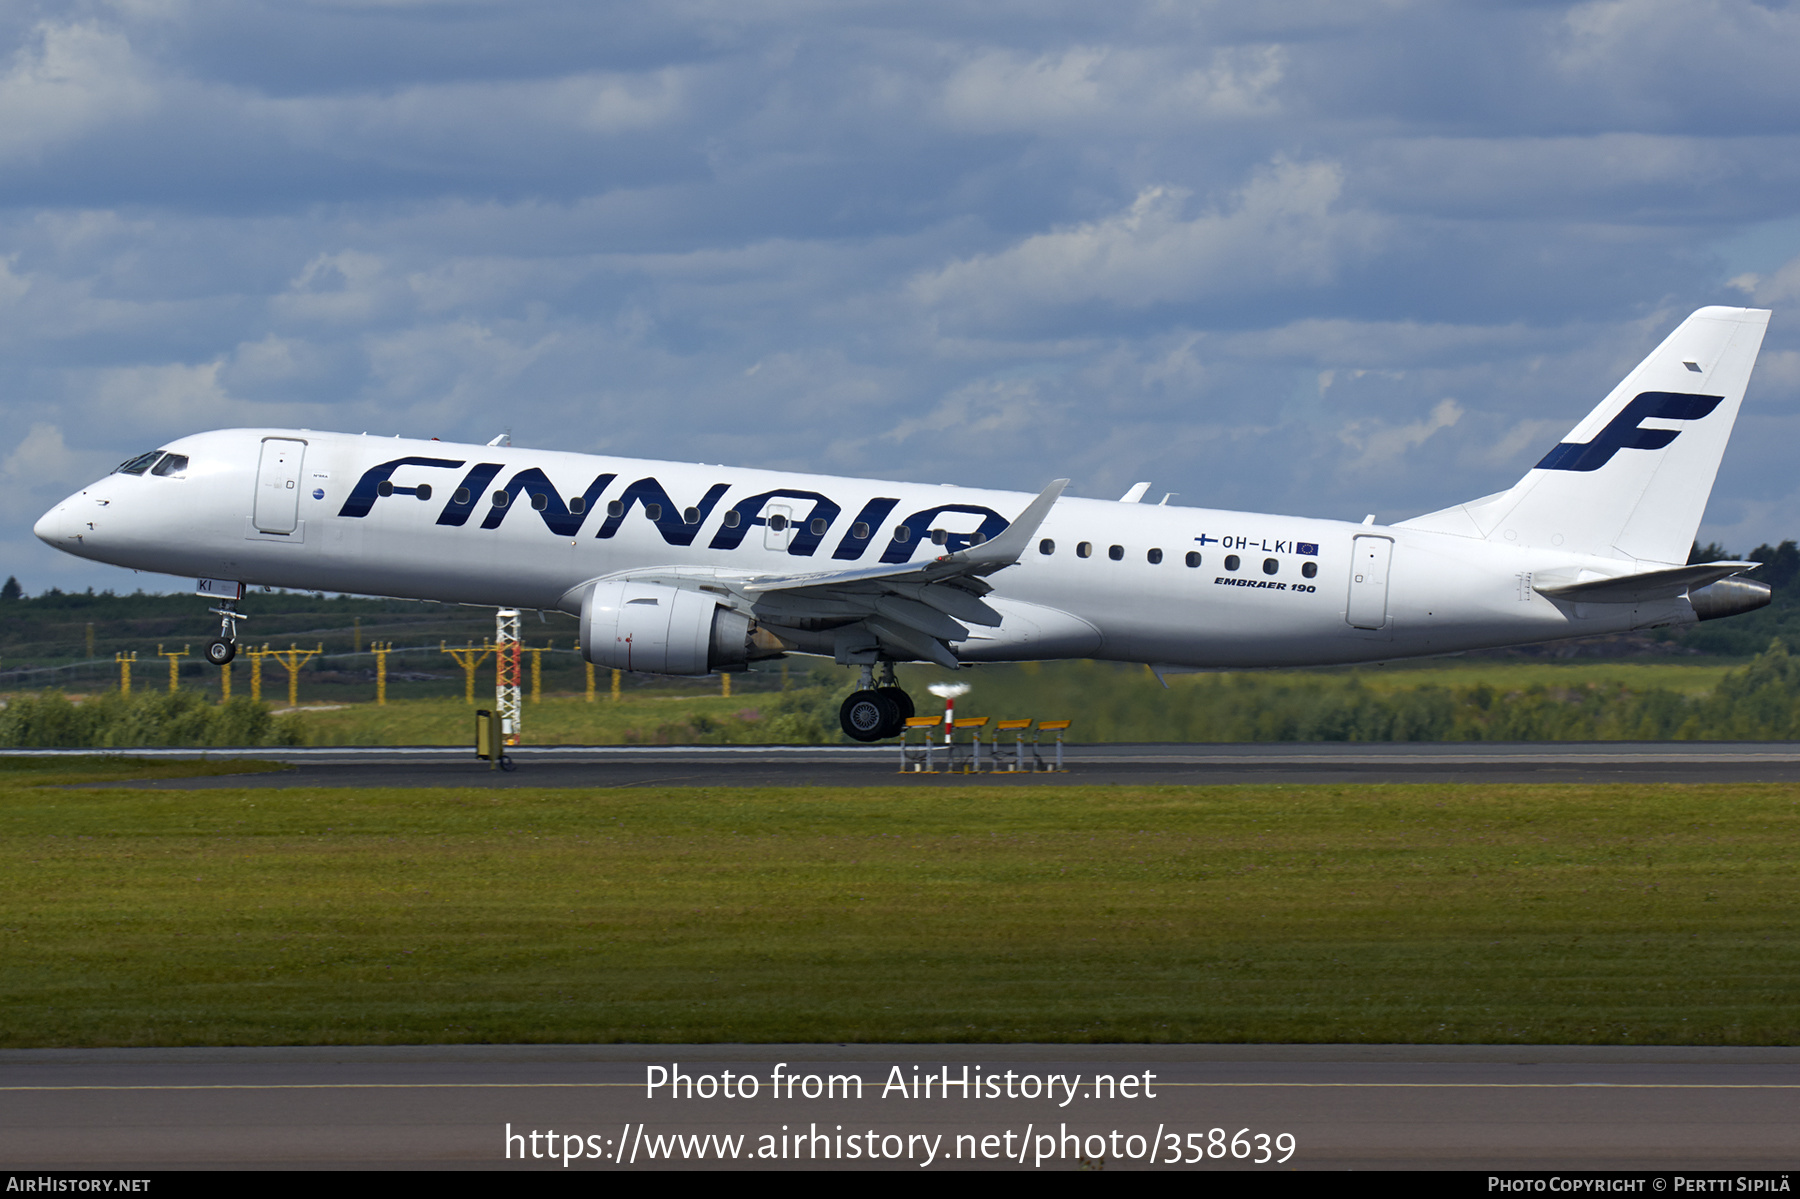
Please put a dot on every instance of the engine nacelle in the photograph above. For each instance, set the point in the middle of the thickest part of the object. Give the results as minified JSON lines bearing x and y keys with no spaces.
{"x":1728,"y":597}
{"x":659,"y":629}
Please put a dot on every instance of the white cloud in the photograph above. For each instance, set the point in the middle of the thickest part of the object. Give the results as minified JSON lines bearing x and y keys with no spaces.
{"x":66,"y":81}
{"x":1378,"y":448}
{"x":1089,"y":85}
{"x":41,"y":454}
{"x":1282,"y":228}
{"x":1781,"y":286}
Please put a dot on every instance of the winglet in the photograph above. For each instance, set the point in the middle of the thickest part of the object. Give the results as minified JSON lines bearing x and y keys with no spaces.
{"x":982,"y":559}
{"x":1012,"y":543}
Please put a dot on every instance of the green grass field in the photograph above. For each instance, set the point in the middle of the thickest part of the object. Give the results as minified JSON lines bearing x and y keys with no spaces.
{"x":1619,"y":915}
{"x":1108,"y":702}
{"x":561,"y":720}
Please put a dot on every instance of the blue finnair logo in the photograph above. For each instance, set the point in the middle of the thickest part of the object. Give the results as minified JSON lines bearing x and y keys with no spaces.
{"x":1622,"y":431}
{"x":678,"y":523}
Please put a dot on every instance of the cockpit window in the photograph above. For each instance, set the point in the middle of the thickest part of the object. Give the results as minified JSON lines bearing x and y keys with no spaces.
{"x":172,"y":464}
{"x":139,"y":464}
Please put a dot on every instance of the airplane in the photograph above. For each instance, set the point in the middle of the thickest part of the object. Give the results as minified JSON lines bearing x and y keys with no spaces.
{"x":685,"y":569}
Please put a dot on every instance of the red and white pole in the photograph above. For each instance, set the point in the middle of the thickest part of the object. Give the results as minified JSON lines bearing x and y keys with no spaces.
{"x":948,"y":693}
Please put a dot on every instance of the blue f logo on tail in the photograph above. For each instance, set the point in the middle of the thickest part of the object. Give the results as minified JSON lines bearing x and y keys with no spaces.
{"x":1622,"y":432}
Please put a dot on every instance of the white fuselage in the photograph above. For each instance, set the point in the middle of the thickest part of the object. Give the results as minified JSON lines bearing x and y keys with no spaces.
{"x":317,"y":517}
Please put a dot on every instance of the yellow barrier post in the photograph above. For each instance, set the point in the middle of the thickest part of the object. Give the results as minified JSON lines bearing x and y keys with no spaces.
{"x":468,"y":658}
{"x":291,"y":659}
{"x":1059,"y":727}
{"x":537,"y":669}
{"x":174,"y":663}
{"x":975,"y":724}
{"x":1017,"y":729}
{"x":910,"y":757}
{"x":590,"y":681}
{"x":125,"y":661}
{"x":725,"y":685}
{"x":616,"y":674}
{"x":225,"y":684}
{"x":380,"y":650}
{"x":256,"y":661}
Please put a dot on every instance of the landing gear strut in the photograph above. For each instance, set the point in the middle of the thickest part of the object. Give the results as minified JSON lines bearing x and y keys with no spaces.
{"x":876,"y":711}
{"x":223,"y":648}
{"x":889,"y":687}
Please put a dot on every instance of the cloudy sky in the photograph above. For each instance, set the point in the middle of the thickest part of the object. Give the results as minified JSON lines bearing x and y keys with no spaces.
{"x":1311,"y":256}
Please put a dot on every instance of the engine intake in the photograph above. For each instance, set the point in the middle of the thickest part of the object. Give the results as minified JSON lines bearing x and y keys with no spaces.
{"x":657,"y":629}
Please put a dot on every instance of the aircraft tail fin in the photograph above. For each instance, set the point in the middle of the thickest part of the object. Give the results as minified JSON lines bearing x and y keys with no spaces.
{"x":1633,"y":478}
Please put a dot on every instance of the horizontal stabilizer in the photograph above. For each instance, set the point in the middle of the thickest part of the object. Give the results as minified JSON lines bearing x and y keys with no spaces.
{"x":1639,"y":588}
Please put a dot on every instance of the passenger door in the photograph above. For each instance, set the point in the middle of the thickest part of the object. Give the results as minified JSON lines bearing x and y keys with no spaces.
{"x":1369,"y":567}
{"x":278,"y":485}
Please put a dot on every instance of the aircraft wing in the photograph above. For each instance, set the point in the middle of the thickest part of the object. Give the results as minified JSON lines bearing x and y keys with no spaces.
{"x":913,"y":609}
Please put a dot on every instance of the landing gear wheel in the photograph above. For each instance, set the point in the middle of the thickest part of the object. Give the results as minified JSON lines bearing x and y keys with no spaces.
{"x":219,"y":651}
{"x":903,"y":709}
{"x":868,"y":715}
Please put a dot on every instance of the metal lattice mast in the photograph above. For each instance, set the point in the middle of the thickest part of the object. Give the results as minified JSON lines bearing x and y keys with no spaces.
{"x":506,"y":672}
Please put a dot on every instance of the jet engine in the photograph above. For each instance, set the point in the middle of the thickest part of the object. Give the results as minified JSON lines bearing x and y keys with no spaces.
{"x":659,"y":629}
{"x":1728,"y":597}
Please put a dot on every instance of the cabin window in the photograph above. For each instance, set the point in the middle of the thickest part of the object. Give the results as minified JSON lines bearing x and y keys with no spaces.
{"x":1084,"y":549}
{"x":1046,"y":547}
{"x":818,"y":526}
{"x":653,"y":511}
{"x":777,"y":523}
{"x":939,"y":536}
{"x":461,"y":498}
{"x":423,"y":491}
{"x":615,"y":508}
{"x":540,"y":501}
{"x":902,"y":534}
{"x":1270,"y":566}
{"x":139,"y":464}
{"x":690,"y":516}
{"x":1231,"y":561}
{"x":1154,"y":557}
{"x":1116,"y":553}
{"x":1193,"y":558}
{"x":172,"y":464}
{"x":385,"y":487}
{"x":1310,"y":570}
{"x":860,"y":530}
{"x":577,"y":504}
{"x":733,"y":519}
{"x":500,"y":498}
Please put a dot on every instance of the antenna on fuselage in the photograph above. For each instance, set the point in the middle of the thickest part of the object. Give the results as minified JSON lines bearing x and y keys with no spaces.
{"x":504,"y":439}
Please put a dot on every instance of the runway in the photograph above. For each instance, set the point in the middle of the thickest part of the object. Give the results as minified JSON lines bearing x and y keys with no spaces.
{"x":1116,"y":764}
{"x":1449,"y":1107}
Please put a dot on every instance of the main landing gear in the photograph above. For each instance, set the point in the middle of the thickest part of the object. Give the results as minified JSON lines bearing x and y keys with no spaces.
{"x":223,"y":648}
{"x":876,"y":710}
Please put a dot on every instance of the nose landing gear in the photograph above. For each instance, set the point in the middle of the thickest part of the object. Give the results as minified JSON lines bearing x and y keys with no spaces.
{"x":223,"y":648}
{"x":876,"y":711}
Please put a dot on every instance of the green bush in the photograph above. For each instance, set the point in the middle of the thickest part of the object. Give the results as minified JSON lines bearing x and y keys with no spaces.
{"x":114,"y":721}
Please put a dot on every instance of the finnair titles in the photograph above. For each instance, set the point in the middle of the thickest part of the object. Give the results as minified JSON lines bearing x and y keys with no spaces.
{"x":685,"y":569}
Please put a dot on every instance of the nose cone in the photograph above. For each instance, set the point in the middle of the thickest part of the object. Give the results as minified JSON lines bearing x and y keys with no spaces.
{"x":52,"y":525}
